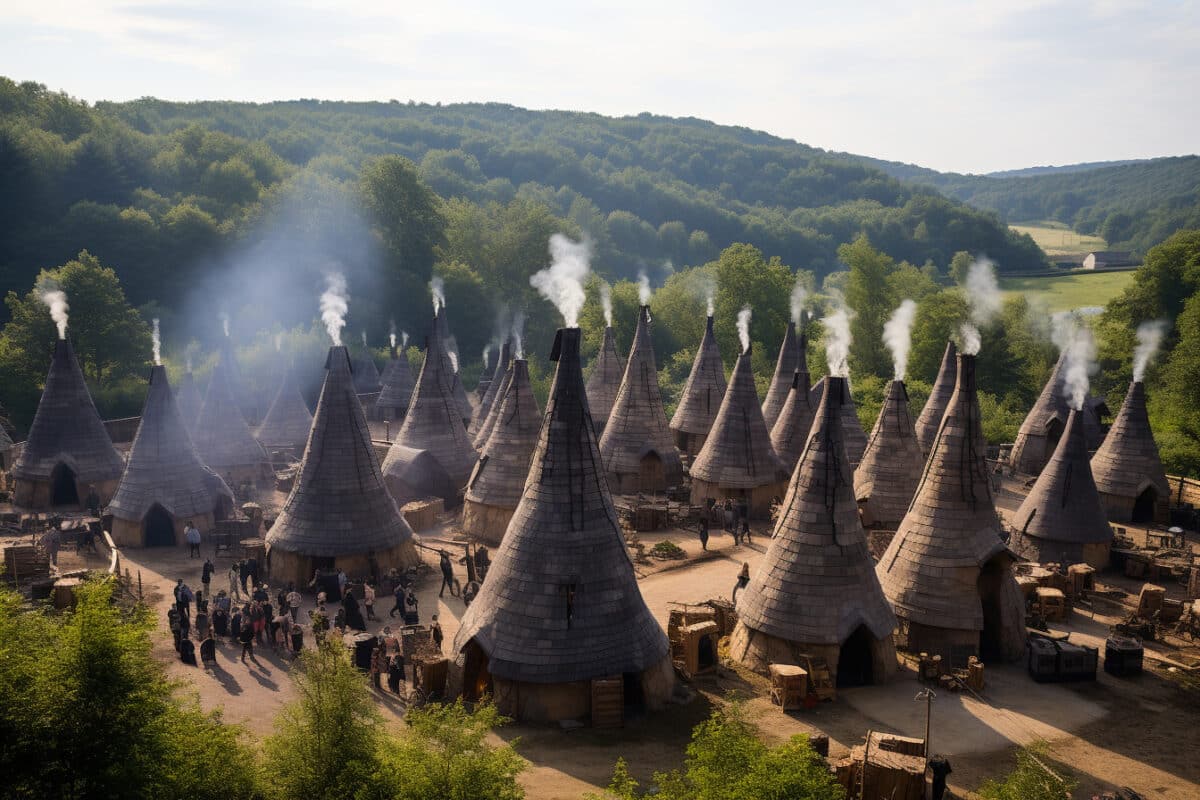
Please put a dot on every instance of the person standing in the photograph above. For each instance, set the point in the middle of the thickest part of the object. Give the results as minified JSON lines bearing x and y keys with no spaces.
{"x":52,"y":543}
{"x":369,"y":599}
{"x":703,"y":534}
{"x":395,"y":673}
{"x":293,"y":601}
{"x":377,"y":668}
{"x":435,"y":628}
{"x":191,"y":535}
{"x":342,"y":581}
{"x":246,"y":637}
{"x":206,"y":574}
{"x":243,"y":574}
{"x":447,"y":574}
{"x":746,"y":530}
{"x":398,"y":594}
{"x":185,"y":598}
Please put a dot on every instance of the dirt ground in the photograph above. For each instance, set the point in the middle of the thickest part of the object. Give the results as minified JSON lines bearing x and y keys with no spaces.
{"x":1138,"y":732}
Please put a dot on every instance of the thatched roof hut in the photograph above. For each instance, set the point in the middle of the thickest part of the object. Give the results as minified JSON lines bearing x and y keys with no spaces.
{"x":886,"y":479}
{"x":1128,"y":471}
{"x":396,"y":388}
{"x":165,"y":485}
{"x":222,"y":437}
{"x":737,"y":460}
{"x":637,"y":446}
{"x":604,"y":381}
{"x":450,"y":366}
{"x":786,"y":364}
{"x":939,"y":397}
{"x":561,"y":608}
{"x":488,"y":399}
{"x":366,"y":374}
{"x":488,"y":423}
{"x":1044,"y":424}
{"x":701,"y":397}
{"x":947,"y":571}
{"x":791,"y":429}
{"x":1062,"y":518}
{"x":288,"y":420}
{"x":815,"y":591}
{"x":68,"y":448}
{"x":855,"y":438}
{"x":498,"y":480}
{"x":339,"y":514}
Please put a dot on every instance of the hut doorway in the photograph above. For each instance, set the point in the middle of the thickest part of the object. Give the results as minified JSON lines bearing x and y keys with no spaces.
{"x":158,"y":528}
{"x":988,"y":586}
{"x":855,"y":666}
{"x":651,"y":475}
{"x":635,"y":696}
{"x":477,"y":680}
{"x":1143,"y":507}
{"x":63,"y":489}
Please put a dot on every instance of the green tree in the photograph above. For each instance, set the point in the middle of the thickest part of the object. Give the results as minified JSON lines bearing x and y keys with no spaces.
{"x":405,"y":212}
{"x":1032,"y":779}
{"x":867,"y":292}
{"x":959,"y":264}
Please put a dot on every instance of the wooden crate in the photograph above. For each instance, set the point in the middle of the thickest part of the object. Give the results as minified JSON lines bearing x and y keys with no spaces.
{"x":432,"y":676}
{"x":25,"y":562}
{"x":789,"y":686}
{"x":608,"y":702}
{"x":421,"y":515}
{"x":1051,"y":604}
{"x":893,"y":767}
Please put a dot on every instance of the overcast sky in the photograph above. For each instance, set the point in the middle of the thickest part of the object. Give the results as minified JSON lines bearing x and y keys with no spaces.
{"x":951,"y":85}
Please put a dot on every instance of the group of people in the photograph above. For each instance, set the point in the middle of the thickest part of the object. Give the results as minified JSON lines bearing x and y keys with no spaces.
{"x":735,"y":518}
{"x":256,"y":620}
{"x":388,"y":661}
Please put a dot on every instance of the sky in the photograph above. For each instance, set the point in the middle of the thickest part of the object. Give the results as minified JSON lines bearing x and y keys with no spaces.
{"x":952,"y":85}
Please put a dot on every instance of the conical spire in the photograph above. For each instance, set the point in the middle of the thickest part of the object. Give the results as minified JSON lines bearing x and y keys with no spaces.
{"x":886,"y":479}
{"x":396,"y":388}
{"x":816,"y":584}
{"x":1062,"y":518}
{"x":68,"y":430}
{"x":222,"y":437}
{"x":795,"y":422}
{"x":164,"y":467}
{"x":498,"y":480}
{"x":488,"y":423}
{"x":493,"y":390}
{"x":366,"y":374}
{"x":931,"y":568}
{"x":605,"y":380}
{"x":939,"y":398}
{"x":852,"y":429}
{"x":433,"y":422}
{"x":737,"y":454}
{"x":1127,"y":466}
{"x":288,"y":421}
{"x":339,"y":506}
{"x":1044,"y":424}
{"x":450,"y":366}
{"x":785,"y":367}
{"x":561,"y":603}
{"x":702,"y":394}
{"x":637,"y":429}
{"x":188,"y":400}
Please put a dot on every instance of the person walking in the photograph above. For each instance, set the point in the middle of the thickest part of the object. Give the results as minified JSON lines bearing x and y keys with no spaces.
{"x":186,"y":596}
{"x":398,"y":594}
{"x":369,"y":599}
{"x":206,"y":574}
{"x":293,"y":601}
{"x":191,"y":535}
{"x":746,"y":530}
{"x":447,"y":574}
{"x":246,"y":637}
{"x":703,"y":534}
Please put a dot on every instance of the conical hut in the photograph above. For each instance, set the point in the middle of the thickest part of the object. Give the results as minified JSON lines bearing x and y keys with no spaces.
{"x":637,"y":447}
{"x":189,"y":401}
{"x":165,"y":485}
{"x":1129,"y":473}
{"x":450,"y":365}
{"x":1044,"y":424}
{"x":852,"y":429}
{"x":498,"y":480}
{"x":1062,"y":518}
{"x":887,"y":477}
{"x":489,"y":422}
{"x":939,"y":397}
{"x":396,"y":388}
{"x":737,"y":461}
{"x":488,"y":400}
{"x":701,"y":397}
{"x":366,"y":374}
{"x":288,"y":421}
{"x":947,"y":571}
{"x":68,"y":449}
{"x":605,"y":380}
{"x":815,"y":591}
{"x":339,"y":514}
{"x":222,"y":437}
{"x":560,"y":612}
{"x":434,"y":423}
{"x":791,"y":430}
{"x":245,"y":398}
{"x":786,"y":365}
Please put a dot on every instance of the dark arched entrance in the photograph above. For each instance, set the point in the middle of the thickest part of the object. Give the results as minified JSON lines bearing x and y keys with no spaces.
{"x":988,"y":585}
{"x":1143,"y":507}
{"x":477,"y":680}
{"x":158,"y":527}
{"x":855,"y":667}
{"x":651,"y":475}
{"x":63,"y":490}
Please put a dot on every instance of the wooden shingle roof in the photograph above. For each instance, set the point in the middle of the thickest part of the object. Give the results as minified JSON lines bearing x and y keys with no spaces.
{"x":499,"y":476}
{"x":447,"y":344}
{"x":366,"y":374}
{"x":561,"y":602}
{"x":604,"y":381}
{"x":288,"y":420}
{"x":817,"y":584}
{"x":396,"y":385}
{"x":791,"y":430}
{"x":704,"y":390}
{"x":488,"y":423}
{"x":786,"y":365}
{"x":1128,"y":461}
{"x":939,"y":398}
{"x":222,"y":437}
{"x":855,"y":438}
{"x":493,"y":389}
{"x":886,"y":479}
{"x":1052,"y":406}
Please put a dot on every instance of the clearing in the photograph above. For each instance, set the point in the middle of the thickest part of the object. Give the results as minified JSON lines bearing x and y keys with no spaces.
{"x":1057,"y":239}
{"x":1082,"y":289}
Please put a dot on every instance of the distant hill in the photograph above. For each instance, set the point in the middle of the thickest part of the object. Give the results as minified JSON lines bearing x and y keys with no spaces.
{"x":1050,"y":170}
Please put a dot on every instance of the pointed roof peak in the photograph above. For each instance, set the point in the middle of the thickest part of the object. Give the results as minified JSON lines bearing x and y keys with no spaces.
{"x":738,"y":452}
{"x":886,"y":479}
{"x":788,"y":361}
{"x":704,"y":389}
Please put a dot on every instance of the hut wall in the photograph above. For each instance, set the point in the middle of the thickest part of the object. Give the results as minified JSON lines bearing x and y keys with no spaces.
{"x":37,"y":494}
{"x":1119,"y":508}
{"x":689,"y":443}
{"x":131,"y":532}
{"x":286,"y":565}
{"x":760,"y":497}
{"x":485,"y":523}
{"x":1034,"y":548}
{"x":941,"y":641}
{"x":758,"y":650}
{"x":549,"y":702}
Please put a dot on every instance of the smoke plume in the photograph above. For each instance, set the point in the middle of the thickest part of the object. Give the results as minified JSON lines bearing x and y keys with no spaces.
{"x":364,"y":338}
{"x":437,"y":289}
{"x":644,"y":292}
{"x":798,"y":301}
{"x":453,"y":360}
{"x":518,"y":334}
{"x":156,"y":342}
{"x":562,"y":282}
{"x":403,"y":339}
{"x":606,"y":303}
{"x":1149,"y":335}
{"x":335,"y":302}
{"x":983,"y":299}
{"x":56,"y":300}
{"x":224,"y":317}
{"x":897,"y":335}
{"x":279,"y":343}
{"x":1078,"y":347}
{"x":487,"y":351}
{"x":392,"y":333}
{"x":837,"y":342}
{"x":743,"y":328}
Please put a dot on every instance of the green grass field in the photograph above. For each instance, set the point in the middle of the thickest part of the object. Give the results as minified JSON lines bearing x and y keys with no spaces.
{"x":1057,"y":239}
{"x":1075,"y":290}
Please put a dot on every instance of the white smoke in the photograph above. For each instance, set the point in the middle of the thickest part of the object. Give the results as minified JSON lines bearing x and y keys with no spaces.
{"x":487,"y":351}
{"x":279,"y":343}
{"x":403,"y":339}
{"x":798,"y":300}
{"x":984,"y":300}
{"x":518,"y":334}
{"x":335,"y":302}
{"x":364,"y":338}
{"x":897,"y":335}
{"x":562,"y":282}
{"x":1078,"y":346}
{"x":1149,"y":335}
{"x":56,"y":300}
{"x":644,"y":292}
{"x":392,"y":333}
{"x":453,"y":360}
{"x":224,"y":317}
{"x":606,"y":303}
{"x":437,"y":289}
{"x":743,"y":327}
{"x":156,"y":342}
{"x":709,"y":303}
{"x":837,"y":342}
